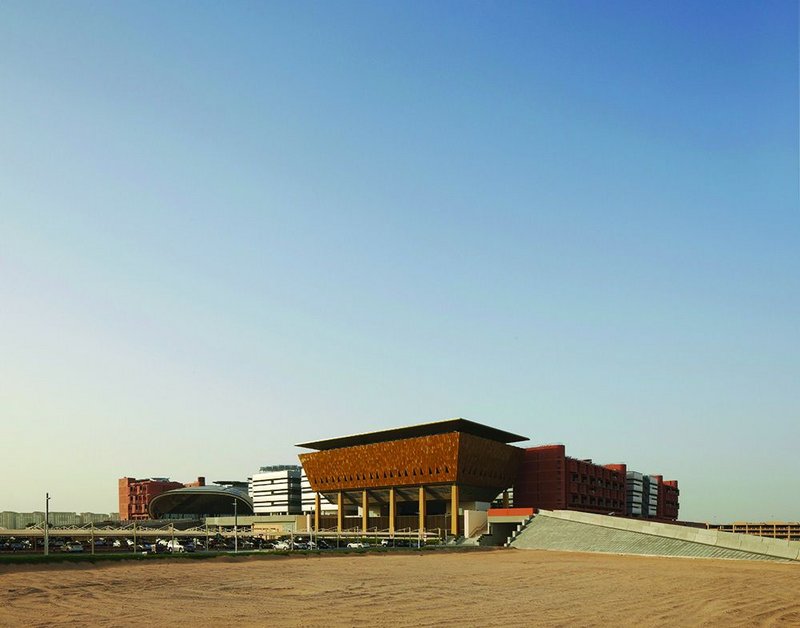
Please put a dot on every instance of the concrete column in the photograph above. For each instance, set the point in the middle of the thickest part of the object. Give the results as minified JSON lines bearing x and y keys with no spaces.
{"x":454,"y":509}
{"x":316,"y":512}
{"x":505,"y":499}
{"x":392,"y":510}
{"x":340,"y":511}
{"x":364,"y":511}
{"x":421,"y":509}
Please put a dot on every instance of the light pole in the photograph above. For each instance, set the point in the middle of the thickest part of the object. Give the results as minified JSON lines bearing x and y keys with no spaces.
{"x":235,"y":526}
{"x":46,"y":523}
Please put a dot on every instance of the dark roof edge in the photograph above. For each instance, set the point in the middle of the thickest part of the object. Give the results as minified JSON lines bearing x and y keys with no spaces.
{"x":414,"y":431}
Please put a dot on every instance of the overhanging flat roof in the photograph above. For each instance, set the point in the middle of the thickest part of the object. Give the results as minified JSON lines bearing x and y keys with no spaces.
{"x":415,"y":431}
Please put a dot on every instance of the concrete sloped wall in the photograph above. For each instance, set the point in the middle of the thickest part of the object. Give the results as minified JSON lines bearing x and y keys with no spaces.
{"x":584,"y":532}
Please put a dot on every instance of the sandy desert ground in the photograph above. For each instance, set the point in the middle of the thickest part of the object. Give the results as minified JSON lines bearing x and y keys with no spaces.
{"x":492,"y":588}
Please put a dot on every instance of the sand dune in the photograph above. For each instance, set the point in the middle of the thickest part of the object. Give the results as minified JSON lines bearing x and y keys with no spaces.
{"x":493,"y":588}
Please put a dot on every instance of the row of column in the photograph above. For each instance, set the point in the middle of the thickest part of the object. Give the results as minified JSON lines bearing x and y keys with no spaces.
{"x":454,"y":498}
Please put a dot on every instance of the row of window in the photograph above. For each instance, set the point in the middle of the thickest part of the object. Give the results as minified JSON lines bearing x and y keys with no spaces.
{"x":596,"y":501}
{"x":588,"y":479}
{"x":377,"y":475}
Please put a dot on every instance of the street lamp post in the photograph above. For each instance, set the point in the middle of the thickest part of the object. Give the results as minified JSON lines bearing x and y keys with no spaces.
{"x":235,"y":526}
{"x":46,"y":523}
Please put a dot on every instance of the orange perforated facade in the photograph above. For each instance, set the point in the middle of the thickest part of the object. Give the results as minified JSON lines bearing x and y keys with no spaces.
{"x":453,"y":458}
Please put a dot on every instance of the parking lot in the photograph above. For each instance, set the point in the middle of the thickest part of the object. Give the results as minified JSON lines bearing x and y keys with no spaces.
{"x":211,"y":543}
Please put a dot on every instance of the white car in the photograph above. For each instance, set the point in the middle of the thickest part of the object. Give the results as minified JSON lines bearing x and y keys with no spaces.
{"x":356,"y":545}
{"x":175,"y":546}
{"x":282,"y":545}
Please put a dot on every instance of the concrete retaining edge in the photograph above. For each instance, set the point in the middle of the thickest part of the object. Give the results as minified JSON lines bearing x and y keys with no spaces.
{"x":777,"y":548}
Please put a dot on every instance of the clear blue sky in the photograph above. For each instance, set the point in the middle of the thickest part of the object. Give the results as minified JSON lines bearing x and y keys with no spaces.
{"x":226,"y":228}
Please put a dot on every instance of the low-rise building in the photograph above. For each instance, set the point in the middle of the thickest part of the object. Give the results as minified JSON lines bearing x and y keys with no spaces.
{"x":11,"y":520}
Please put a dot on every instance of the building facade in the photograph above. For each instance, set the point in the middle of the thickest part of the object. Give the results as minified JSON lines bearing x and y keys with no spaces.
{"x":651,"y":496}
{"x":219,"y":499}
{"x":11,"y":520}
{"x":668,"y":498}
{"x":284,"y":490}
{"x":789,"y":530}
{"x":276,"y":492}
{"x":437,"y":469}
{"x":135,"y":495}
{"x":450,"y":467}
{"x":634,"y":482}
{"x":550,"y":479}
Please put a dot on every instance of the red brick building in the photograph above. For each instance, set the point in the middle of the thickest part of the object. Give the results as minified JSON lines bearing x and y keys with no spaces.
{"x":668,"y":503}
{"x":550,"y":479}
{"x":135,"y":495}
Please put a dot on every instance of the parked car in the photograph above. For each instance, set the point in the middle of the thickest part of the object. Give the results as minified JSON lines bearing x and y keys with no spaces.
{"x":282,"y":545}
{"x":176,"y":547}
{"x":395,"y":543}
{"x":357,"y":545}
{"x":72,"y":547}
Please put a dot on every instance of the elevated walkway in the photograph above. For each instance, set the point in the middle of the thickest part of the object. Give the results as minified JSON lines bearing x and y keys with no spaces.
{"x":568,"y":530}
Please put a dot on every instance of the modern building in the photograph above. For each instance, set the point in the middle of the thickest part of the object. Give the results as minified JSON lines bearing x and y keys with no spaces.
{"x":668,"y":498}
{"x":277,"y":492}
{"x":427,"y":476}
{"x":550,"y":479}
{"x":634,"y":483}
{"x":651,"y":496}
{"x":203,"y":501}
{"x":135,"y":495}
{"x":283,"y":490}
{"x":422,"y":476}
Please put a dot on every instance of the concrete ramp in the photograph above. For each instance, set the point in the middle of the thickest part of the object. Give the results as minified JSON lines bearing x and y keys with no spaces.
{"x":573,"y":531}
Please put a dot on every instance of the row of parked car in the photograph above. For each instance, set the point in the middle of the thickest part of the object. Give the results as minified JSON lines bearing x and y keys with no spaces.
{"x":185,"y":545}
{"x":15,"y":545}
{"x":73,"y":546}
{"x":286,"y":544}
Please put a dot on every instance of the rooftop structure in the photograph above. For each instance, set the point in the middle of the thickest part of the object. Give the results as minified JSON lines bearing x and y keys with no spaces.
{"x":279,"y":467}
{"x":464,"y":426}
